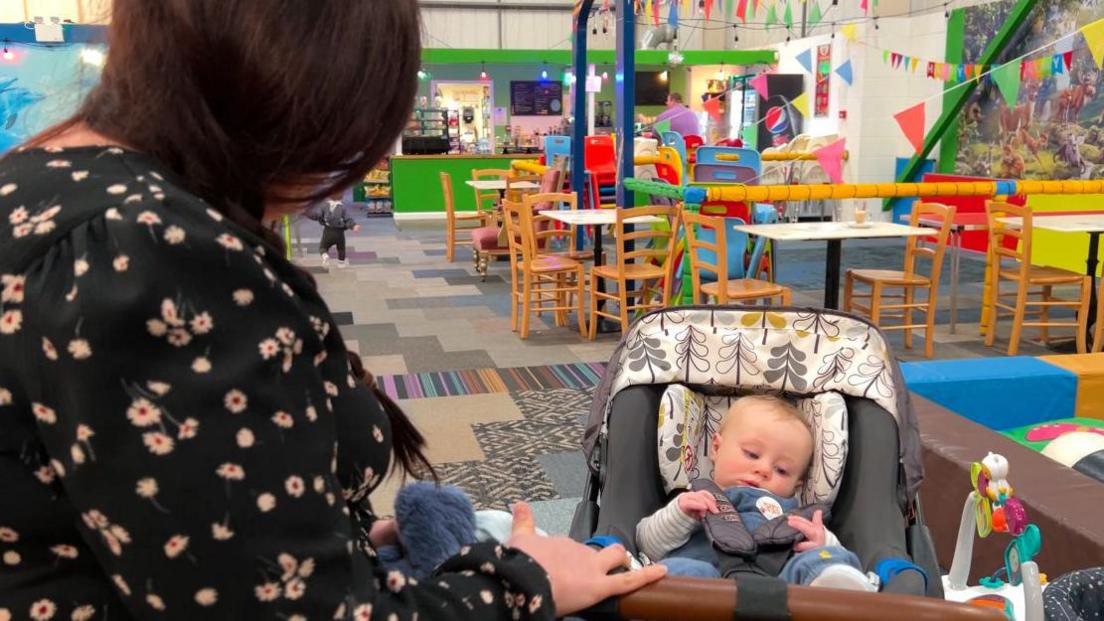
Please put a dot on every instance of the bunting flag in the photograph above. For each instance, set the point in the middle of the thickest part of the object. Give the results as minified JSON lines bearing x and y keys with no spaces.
{"x":759,"y":83}
{"x":727,"y":10}
{"x":915,"y":62}
{"x":672,"y":15}
{"x":850,"y":32}
{"x":787,"y":17}
{"x":749,"y":133}
{"x":1056,"y":65}
{"x":713,"y":107}
{"x":772,"y":16}
{"x":931,"y":70}
{"x":1007,"y":77}
{"x":961,"y":73}
{"x":911,"y":121}
{"x":814,"y":14}
{"x":741,"y":10}
{"x":865,"y":6}
{"x":1067,"y":58}
{"x":830,"y":158}
{"x":885,"y":56}
{"x":754,"y":7}
{"x":844,"y":72}
{"x":806,"y":59}
{"x":1094,"y":38}
{"x":801,"y":104}
{"x":655,"y":13}
{"x":708,"y":8}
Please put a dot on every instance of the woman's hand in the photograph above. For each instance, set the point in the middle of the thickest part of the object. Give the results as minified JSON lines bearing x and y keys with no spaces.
{"x":697,"y":504}
{"x":578,"y":573}
{"x":383,"y":533}
{"x":813,"y":531}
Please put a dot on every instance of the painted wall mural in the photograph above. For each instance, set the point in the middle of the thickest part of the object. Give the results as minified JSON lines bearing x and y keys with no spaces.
{"x":40,"y":86}
{"x":1055,"y":130}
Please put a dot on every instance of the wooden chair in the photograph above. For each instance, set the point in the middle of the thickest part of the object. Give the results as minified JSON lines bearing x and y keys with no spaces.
{"x":1025,"y":275}
{"x":654,"y":247}
{"x":515,"y":193}
{"x":723,"y":290}
{"x":547,"y":232}
{"x":452,"y":219}
{"x":909,"y":280}
{"x":486,"y":201}
{"x":539,"y":282}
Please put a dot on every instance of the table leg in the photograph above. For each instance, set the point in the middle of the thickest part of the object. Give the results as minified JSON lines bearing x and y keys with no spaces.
{"x":832,"y":274}
{"x":956,"y":256}
{"x":1090,"y":268}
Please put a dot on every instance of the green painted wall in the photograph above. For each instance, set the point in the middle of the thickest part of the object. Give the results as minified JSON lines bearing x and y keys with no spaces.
{"x":563,"y":57}
{"x":502,"y":74}
{"x":416,"y":182}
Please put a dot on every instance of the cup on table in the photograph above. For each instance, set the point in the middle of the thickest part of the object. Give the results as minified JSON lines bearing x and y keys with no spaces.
{"x":860,"y":217}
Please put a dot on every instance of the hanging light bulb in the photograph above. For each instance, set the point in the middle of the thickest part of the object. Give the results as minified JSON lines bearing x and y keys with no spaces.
{"x":605,"y":75}
{"x":7,"y":54}
{"x":544,"y":72}
{"x":422,"y":74}
{"x":721,"y":72}
{"x":875,"y":23}
{"x":483,"y":71}
{"x":663,"y":76}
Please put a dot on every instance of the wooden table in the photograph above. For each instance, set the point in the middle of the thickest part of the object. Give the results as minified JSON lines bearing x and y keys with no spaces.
{"x":1091,"y":223}
{"x":834,"y":233}
{"x":500,"y":184}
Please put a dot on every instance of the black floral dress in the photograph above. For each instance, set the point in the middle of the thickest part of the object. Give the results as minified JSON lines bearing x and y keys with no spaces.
{"x":180,"y":433}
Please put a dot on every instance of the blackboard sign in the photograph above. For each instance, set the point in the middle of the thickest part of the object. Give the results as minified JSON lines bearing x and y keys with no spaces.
{"x":536,"y":98}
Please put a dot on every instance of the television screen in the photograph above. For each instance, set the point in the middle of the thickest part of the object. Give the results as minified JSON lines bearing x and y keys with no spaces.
{"x":651,"y":89}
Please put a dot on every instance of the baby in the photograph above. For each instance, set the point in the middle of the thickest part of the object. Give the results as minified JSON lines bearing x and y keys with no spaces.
{"x":760,"y":455}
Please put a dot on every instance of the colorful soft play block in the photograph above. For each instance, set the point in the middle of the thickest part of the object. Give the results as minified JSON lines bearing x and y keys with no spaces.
{"x":1089,"y":369}
{"x":1036,"y":436}
{"x":1000,"y":393}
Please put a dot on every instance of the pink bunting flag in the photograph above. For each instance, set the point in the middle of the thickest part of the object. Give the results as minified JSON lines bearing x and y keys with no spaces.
{"x":713,"y":107}
{"x":911,"y":121}
{"x":759,"y":83}
{"x":865,"y":6}
{"x":741,"y":10}
{"x":830,"y":158}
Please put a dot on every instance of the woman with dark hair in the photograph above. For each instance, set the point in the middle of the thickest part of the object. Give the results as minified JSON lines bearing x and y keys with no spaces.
{"x":182,"y":433}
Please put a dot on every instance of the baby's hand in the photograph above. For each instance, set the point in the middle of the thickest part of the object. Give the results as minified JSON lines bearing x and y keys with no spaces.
{"x":813,"y":531}
{"x":697,"y":504}
{"x":383,"y":533}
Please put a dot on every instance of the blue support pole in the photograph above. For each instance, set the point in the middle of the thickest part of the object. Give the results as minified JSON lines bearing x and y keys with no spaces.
{"x":578,"y":110}
{"x":625,"y":96}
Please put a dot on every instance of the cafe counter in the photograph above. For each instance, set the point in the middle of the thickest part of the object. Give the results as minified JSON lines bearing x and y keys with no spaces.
{"x":416,"y":182}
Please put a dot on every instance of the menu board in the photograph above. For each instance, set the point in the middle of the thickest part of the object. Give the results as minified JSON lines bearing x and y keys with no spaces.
{"x":536,"y":98}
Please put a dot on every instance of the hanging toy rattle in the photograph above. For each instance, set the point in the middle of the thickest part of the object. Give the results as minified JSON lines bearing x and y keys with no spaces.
{"x":992,"y":506}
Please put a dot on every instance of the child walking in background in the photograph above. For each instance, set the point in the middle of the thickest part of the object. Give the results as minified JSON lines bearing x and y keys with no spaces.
{"x":335,"y":221}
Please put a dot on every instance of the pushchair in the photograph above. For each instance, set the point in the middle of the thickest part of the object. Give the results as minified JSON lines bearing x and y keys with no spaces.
{"x":867,"y":456}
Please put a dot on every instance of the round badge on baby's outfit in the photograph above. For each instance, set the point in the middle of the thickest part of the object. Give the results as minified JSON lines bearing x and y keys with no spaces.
{"x":769,"y":507}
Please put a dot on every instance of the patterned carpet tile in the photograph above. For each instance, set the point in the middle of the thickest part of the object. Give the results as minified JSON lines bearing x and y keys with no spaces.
{"x":477,"y":381}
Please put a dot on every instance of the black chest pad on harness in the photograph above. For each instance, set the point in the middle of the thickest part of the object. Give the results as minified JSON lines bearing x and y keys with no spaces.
{"x":763,"y":550}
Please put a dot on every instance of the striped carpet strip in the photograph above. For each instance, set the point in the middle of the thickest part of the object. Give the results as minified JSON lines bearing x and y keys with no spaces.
{"x":480,"y":381}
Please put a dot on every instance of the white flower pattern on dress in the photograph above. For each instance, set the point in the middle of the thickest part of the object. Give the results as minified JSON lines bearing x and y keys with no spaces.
{"x":143,"y":427}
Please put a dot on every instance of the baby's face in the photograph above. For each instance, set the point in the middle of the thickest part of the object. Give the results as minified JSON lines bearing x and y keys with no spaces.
{"x":762,"y":450}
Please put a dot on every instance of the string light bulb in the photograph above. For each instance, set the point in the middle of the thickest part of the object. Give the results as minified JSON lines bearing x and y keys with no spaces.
{"x":483,"y":71}
{"x":7,"y":54}
{"x":721,"y":72}
{"x":735,"y":33}
{"x":544,"y":71}
{"x":875,"y":23}
{"x":605,"y":75}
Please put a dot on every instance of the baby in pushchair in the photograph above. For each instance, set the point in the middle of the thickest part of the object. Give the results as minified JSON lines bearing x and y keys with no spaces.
{"x":761,"y":454}
{"x":662,"y":400}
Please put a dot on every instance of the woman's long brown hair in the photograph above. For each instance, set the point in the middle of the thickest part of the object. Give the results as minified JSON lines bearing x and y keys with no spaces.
{"x":259,"y":101}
